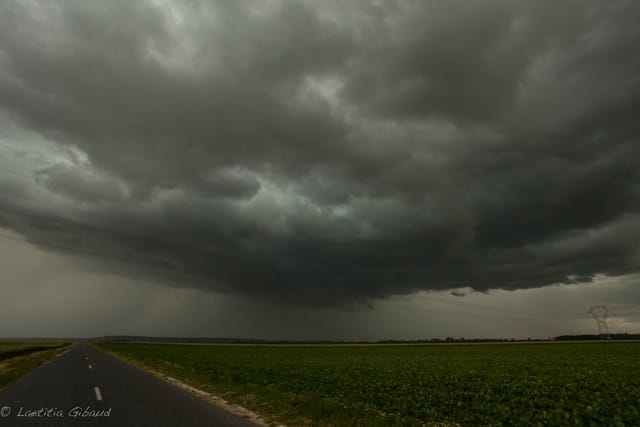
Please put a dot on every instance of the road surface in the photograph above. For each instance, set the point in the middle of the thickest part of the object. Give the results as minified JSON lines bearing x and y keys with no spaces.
{"x":87,"y":387}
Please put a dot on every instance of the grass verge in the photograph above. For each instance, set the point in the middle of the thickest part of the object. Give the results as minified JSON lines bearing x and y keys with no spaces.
{"x":554,"y":384}
{"x":15,"y":367}
{"x":274,"y":406}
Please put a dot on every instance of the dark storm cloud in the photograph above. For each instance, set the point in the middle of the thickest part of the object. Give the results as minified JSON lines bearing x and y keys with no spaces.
{"x":331,"y":153}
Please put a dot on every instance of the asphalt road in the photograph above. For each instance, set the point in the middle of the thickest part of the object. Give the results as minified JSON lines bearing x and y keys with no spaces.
{"x":87,"y":387}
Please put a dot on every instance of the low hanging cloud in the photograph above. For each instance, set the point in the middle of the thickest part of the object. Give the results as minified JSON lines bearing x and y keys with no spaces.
{"x":325,"y":154}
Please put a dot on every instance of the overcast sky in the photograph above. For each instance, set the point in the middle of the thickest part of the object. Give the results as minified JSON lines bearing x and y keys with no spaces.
{"x":319,"y":169}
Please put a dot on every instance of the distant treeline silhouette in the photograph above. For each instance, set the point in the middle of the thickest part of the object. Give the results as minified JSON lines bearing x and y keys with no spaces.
{"x":229,"y":340}
{"x":589,"y":337}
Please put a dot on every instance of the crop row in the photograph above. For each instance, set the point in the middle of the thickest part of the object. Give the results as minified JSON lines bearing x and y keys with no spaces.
{"x":554,"y":384}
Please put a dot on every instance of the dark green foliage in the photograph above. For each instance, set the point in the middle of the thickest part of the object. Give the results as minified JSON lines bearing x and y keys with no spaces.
{"x":9,"y":350}
{"x":558,"y":384}
{"x":17,"y":359}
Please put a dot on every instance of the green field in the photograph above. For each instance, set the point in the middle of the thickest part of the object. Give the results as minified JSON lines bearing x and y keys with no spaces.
{"x":13,"y":349}
{"x":551,"y":384}
{"x":18,"y":358}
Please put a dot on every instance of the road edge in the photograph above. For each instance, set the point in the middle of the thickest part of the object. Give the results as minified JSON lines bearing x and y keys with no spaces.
{"x":16,"y":361}
{"x":237,"y":410}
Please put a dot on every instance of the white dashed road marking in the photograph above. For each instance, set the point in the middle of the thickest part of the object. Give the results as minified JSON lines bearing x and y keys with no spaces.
{"x":98,"y":394}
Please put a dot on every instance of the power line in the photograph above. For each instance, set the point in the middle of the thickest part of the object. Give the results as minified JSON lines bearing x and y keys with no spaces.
{"x":599,"y":313}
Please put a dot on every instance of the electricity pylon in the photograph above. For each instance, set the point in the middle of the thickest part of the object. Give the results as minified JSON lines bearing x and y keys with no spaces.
{"x":599,"y":313}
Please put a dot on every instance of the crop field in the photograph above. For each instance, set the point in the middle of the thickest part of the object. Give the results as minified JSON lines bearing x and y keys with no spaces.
{"x":12,"y":349}
{"x":550,"y":384}
{"x":18,"y":358}
{"x":9,"y":348}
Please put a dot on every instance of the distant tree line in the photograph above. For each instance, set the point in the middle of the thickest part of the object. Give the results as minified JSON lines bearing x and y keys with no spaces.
{"x":590,"y":337}
{"x":584,"y":337}
{"x":460,"y":340}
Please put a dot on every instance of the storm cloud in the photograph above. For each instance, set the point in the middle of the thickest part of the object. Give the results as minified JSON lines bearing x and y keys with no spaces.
{"x":325,"y":153}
